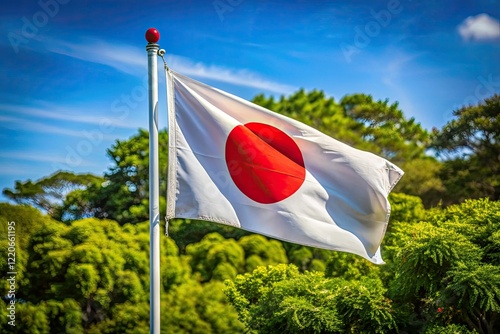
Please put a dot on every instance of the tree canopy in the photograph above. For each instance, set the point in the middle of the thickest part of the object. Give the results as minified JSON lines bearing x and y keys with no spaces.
{"x":82,"y":242}
{"x":470,"y":146}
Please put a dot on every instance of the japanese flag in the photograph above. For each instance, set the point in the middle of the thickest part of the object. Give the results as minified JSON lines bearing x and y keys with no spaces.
{"x":233,"y":162}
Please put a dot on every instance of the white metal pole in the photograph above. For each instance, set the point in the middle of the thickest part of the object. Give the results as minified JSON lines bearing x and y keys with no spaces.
{"x":152,"y":36}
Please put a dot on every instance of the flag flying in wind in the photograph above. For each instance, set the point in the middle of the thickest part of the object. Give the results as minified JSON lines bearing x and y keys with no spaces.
{"x":236,"y":163}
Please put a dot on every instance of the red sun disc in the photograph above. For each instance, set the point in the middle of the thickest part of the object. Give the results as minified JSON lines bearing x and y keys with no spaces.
{"x":264,"y":162}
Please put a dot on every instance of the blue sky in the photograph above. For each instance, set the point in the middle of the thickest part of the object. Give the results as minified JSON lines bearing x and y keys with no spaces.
{"x":74,"y":72}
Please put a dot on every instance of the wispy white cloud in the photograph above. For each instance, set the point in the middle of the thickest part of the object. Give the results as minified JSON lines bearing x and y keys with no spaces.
{"x":25,"y":125}
{"x":15,"y":169}
{"x":481,"y":27}
{"x":33,"y":157}
{"x":241,"y":77}
{"x":124,"y":58}
{"x":397,"y":63}
{"x":398,"y":72}
{"x":133,"y":60}
{"x":62,"y":113}
{"x":22,"y":162}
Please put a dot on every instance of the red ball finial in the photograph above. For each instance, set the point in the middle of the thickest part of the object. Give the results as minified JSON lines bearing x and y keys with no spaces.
{"x":152,"y":35}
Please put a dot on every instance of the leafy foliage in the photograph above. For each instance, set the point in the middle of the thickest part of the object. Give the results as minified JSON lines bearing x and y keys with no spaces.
{"x":449,"y":329}
{"x":384,"y":125}
{"x":471,"y":144}
{"x":279,"y":299}
{"x":196,"y":308}
{"x":350,"y":267}
{"x":445,"y":264}
{"x":82,"y":259}
{"x":215,"y":257}
{"x":50,"y":192}
{"x":121,"y":195}
{"x":124,"y":196}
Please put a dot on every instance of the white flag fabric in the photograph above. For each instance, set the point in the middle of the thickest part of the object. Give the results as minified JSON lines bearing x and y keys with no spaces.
{"x":236,"y":163}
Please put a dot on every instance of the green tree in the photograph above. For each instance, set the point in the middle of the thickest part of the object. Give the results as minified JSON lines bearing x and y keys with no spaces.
{"x":449,"y":329}
{"x":87,"y":268}
{"x":259,"y":251}
{"x":387,"y":132}
{"x":121,"y":195}
{"x":126,"y":318}
{"x":470,"y":145}
{"x":447,"y":269}
{"x":364,"y":308}
{"x":49,"y":193}
{"x":422,"y":179}
{"x":188,"y":231}
{"x":23,"y":220}
{"x":217,"y":258}
{"x":385,"y":127}
{"x":193,"y":308}
{"x":350,"y":267}
{"x":279,"y":299}
{"x":46,"y":317}
{"x":307,"y":258}
{"x":405,"y":208}
{"x":124,"y":197}
{"x":91,"y":261}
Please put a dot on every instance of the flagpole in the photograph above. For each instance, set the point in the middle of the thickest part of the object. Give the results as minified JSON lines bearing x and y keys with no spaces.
{"x":152,"y":36}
